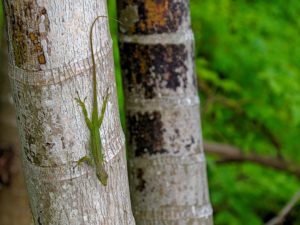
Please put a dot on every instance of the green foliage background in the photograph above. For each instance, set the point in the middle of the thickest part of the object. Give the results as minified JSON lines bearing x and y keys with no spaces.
{"x":248,"y":66}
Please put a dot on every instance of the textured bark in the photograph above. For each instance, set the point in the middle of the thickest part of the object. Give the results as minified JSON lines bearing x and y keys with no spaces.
{"x":49,"y":61}
{"x":167,"y":167}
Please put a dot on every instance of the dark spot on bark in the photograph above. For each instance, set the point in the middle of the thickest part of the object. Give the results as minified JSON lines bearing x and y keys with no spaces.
{"x":153,"y":67}
{"x":63,"y":142}
{"x":145,"y":130}
{"x":192,"y":140}
{"x":141,"y":182}
{"x":50,"y":145}
{"x":188,"y":146}
{"x":157,"y":16}
{"x":39,"y":221}
{"x":43,"y":11}
{"x":19,"y":95}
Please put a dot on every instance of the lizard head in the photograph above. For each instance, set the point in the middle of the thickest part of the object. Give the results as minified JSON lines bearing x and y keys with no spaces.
{"x":102,"y":175}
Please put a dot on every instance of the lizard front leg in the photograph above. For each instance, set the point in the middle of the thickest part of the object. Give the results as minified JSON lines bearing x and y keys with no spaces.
{"x":84,"y":111}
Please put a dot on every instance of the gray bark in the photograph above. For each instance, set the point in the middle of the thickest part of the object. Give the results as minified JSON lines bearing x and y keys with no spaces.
{"x":50,"y":60}
{"x":167,"y":167}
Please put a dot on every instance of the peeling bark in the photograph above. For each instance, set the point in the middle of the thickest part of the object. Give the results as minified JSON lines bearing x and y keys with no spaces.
{"x":50,"y":60}
{"x":167,"y":167}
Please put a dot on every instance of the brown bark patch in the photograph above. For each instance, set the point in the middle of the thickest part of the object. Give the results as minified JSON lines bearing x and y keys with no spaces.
{"x":27,"y":36}
{"x":146,"y":131}
{"x":156,"y":16}
{"x":154,"y":67}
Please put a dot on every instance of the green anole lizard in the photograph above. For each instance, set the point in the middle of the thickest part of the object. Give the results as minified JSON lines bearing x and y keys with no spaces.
{"x":96,"y":156}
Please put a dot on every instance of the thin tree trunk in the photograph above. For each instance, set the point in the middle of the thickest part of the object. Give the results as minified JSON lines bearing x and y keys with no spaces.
{"x":50,"y":60}
{"x":167,"y":167}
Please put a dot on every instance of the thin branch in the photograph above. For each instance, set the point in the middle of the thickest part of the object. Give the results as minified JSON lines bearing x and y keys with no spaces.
{"x":279,"y":219}
{"x":230,"y":153}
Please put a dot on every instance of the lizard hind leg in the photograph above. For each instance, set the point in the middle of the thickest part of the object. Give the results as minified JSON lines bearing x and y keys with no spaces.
{"x":85,"y":159}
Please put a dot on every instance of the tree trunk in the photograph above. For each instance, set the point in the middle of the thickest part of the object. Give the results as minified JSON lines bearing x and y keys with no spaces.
{"x":167,"y":167}
{"x":50,"y":60}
